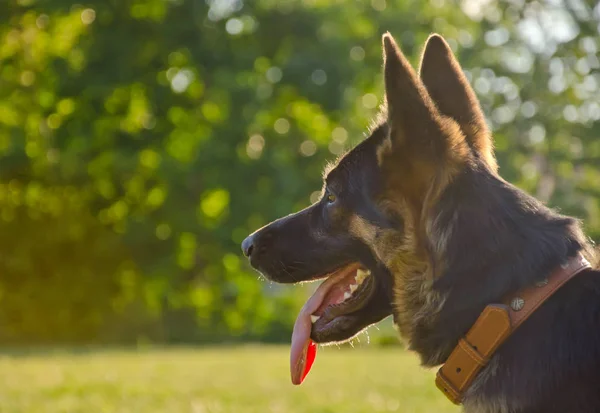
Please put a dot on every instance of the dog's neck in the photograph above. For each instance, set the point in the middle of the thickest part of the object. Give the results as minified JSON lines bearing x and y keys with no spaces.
{"x":486,"y":239}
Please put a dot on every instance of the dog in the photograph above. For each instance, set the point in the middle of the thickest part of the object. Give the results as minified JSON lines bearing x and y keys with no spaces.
{"x":416,"y":222}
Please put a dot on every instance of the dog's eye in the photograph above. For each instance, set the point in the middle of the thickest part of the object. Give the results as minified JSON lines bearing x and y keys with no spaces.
{"x":331,"y":199}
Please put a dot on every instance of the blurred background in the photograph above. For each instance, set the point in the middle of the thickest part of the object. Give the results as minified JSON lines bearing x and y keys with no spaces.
{"x":142,"y":140}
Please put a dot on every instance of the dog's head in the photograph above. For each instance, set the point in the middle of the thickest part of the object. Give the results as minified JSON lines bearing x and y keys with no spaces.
{"x":371,"y":223}
{"x":323,"y":239}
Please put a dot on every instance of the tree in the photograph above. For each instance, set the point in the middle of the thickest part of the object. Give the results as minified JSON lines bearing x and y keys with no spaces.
{"x":141,"y":141}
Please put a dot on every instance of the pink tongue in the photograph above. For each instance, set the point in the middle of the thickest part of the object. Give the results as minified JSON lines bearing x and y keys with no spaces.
{"x":303,"y":351}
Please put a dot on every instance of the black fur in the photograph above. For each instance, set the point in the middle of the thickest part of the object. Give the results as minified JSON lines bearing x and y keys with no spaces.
{"x":506,"y":240}
{"x":499,"y":240}
{"x":502,"y":240}
{"x":315,"y":241}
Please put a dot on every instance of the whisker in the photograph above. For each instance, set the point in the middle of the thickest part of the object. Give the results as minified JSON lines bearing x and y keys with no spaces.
{"x":285,"y":270}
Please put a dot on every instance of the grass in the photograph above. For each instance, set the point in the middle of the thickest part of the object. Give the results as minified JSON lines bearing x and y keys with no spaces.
{"x":216,"y":380}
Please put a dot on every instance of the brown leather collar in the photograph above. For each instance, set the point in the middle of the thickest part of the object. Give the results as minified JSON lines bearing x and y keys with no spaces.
{"x":495,"y":324}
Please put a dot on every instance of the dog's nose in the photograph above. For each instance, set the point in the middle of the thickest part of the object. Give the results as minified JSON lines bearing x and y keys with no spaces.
{"x":248,"y":245}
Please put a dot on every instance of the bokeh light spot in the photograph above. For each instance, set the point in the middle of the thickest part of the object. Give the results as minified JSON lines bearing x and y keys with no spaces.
{"x":308,"y":148}
{"x":281,"y":126}
{"x":357,"y":53}
{"x":88,"y":16}
{"x":319,"y":77}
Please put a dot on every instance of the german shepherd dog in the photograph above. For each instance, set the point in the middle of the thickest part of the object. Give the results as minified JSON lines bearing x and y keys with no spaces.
{"x":416,"y":222}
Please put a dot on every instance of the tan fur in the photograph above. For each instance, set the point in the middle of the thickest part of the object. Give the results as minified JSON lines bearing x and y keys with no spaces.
{"x":384,"y":149}
{"x":381,"y":242}
{"x":438,"y":237}
{"x":415,"y":302}
{"x":423,"y":153}
{"x":362,"y":230}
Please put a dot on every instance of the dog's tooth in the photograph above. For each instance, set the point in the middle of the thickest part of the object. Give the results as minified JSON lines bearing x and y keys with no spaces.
{"x":347,"y":295}
{"x":314,"y":318}
{"x":353,"y":288}
{"x":361,"y":275}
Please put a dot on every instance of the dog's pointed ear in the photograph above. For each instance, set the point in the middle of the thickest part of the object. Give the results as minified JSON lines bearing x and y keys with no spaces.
{"x":414,"y":120}
{"x":447,"y":85}
{"x":409,"y":108}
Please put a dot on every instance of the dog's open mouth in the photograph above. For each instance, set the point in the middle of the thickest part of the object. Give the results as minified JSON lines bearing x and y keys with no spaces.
{"x":344,"y":292}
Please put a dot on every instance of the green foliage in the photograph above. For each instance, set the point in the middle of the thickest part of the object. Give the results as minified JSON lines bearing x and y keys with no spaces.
{"x":141,"y":141}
